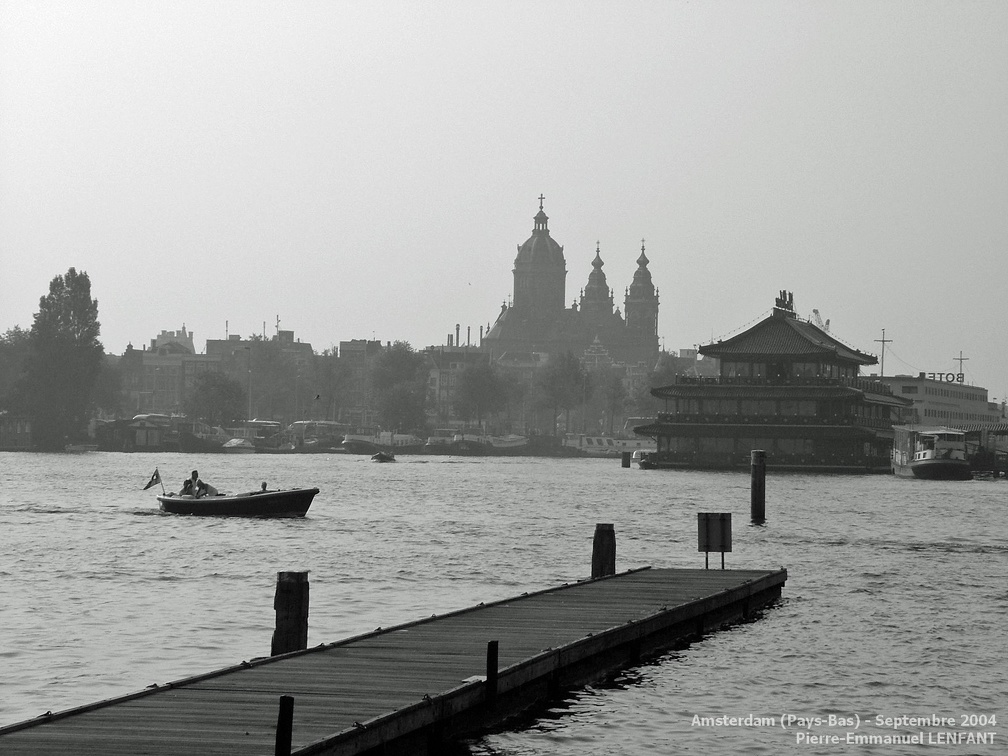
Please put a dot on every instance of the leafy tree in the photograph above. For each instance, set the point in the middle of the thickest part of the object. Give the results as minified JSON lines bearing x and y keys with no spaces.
{"x":562,"y":385}
{"x":15,"y":346}
{"x":518,"y":394}
{"x":332,"y":381}
{"x":480,"y":391}
{"x":273,"y":378}
{"x":109,"y":398}
{"x":611,"y":392}
{"x":399,"y":380}
{"x":64,"y":361}
{"x":217,"y":398}
{"x":664,"y":374}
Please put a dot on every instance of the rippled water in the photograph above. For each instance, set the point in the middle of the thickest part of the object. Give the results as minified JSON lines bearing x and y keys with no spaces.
{"x":896,"y":602}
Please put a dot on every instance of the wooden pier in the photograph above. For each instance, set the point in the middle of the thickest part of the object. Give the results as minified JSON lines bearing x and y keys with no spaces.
{"x":409,"y":688}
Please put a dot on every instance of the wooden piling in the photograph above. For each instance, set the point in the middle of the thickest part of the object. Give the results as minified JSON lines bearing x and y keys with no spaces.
{"x":627,"y":456}
{"x":492,"y":668}
{"x":604,"y":550}
{"x":291,"y":604}
{"x":757,"y":494}
{"x":285,"y":726}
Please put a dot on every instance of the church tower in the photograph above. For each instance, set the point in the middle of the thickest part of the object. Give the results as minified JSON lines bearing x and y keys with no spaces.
{"x":540,"y":273}
{"x":596,"y":298}
{"x":641,"y":306}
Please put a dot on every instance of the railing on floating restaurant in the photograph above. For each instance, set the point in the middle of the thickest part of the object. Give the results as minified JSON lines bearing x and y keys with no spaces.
{"x":862,"y":384}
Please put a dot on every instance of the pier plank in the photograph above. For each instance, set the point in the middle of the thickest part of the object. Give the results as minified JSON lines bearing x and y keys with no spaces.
{"x":362,"y":692}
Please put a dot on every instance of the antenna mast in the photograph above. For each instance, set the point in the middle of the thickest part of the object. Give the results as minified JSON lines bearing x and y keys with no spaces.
{"x":883,"y":341}
{"x":960,"y":359}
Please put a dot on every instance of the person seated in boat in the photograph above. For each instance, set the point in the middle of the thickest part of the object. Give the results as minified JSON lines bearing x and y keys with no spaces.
{"x":187,"y":488}
{"x":197,"y":487}
{"x":205,"y":489}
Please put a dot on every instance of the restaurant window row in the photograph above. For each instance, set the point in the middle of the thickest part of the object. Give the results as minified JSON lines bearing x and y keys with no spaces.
{"x":831,"y":370}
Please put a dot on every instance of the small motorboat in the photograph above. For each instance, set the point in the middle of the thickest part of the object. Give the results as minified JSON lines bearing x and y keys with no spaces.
{"x":238,"y":446}
{"x":290,"y":503}
{"x":383,"y":456}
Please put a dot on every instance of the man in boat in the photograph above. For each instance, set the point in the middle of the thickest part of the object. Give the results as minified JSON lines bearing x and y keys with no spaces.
{"x":196,"y":487}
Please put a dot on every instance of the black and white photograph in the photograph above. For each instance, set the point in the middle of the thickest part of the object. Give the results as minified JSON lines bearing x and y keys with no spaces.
{"x":503,"y":378}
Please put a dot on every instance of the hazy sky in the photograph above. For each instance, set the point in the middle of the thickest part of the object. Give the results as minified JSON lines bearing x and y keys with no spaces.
{"x":367,"y":169}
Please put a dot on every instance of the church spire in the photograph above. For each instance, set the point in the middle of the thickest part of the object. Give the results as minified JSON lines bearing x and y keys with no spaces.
{"x":541,"y":219}
{"x":641,"y":302}
{"x":596,"y":298}
{"x":642,"y":261}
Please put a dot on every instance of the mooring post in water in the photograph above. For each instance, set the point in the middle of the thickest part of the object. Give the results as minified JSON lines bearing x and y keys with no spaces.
{"x":285,"y":726}
{"x":291,"y":604}
{"x":625,"y":460}
{"x":604,"y":550}
{"x":491,"y":673}
{"x":757,"y":495}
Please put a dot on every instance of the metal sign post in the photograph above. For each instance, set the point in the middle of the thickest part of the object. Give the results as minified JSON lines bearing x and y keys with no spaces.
{"x":713,"y":534}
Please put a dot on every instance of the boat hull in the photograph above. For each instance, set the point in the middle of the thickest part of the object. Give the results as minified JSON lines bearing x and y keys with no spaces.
{"x":941,"y":469}
{"x":291,"y":503}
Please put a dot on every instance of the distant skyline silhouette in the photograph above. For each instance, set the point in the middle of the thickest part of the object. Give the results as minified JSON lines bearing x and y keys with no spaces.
{"x":368,"y":170}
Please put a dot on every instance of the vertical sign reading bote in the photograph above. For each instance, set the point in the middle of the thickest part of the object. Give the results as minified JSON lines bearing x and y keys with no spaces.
{"x":713,"y":534}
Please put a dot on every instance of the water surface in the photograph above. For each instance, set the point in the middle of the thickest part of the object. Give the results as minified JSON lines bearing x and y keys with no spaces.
{"x":896,"y":602}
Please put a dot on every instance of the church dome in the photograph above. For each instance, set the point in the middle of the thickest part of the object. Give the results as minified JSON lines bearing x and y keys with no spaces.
{"x":540,"y":248}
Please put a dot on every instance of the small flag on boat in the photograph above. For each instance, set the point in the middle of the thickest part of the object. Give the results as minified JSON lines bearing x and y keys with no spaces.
{"x":154,"y":479}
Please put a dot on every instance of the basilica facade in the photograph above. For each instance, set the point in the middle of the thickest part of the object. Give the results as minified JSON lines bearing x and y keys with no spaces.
{"x":592,"y":328}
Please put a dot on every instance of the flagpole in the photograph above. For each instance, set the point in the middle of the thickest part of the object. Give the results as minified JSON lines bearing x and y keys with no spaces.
{"x":161,"y":481}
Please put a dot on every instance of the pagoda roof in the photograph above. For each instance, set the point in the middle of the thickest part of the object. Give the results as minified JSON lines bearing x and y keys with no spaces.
{"x":803,"y":388}
{"x":782,"y":334}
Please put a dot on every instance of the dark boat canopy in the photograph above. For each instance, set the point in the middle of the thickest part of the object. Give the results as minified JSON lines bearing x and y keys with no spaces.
{"x":782,"y":335}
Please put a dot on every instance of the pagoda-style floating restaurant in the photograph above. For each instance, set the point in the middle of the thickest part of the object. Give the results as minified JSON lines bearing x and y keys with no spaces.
{"x":785,"y":386}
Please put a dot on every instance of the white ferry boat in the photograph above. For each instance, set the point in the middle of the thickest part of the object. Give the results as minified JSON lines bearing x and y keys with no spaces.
{"x":935,"y":453}
{"x":607,"y":446}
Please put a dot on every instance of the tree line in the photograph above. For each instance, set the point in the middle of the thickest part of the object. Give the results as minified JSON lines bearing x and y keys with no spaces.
{"x":58,"y":376}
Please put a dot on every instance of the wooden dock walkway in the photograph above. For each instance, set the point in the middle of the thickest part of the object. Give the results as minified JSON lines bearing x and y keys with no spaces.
{"x":407,"y":688}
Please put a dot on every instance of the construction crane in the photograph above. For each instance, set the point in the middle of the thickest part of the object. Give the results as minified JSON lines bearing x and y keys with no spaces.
{"x":818,"y":321}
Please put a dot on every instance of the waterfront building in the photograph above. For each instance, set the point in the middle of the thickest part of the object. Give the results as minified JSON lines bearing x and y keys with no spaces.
{"x":445,"y":365}
{"x":160,"y":378}
{"x":784,"y":386}
{"x":944,"y":399}
{"x":592,"y":328}
{"x":357,"y":406}
{"x":232,"y":349}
